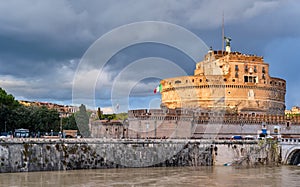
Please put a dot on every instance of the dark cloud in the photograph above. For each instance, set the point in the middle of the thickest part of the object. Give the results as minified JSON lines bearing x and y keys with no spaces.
{"x":41,"y":42}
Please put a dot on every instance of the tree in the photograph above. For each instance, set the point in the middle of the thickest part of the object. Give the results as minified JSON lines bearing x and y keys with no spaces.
{"x":7,"y":104}
{"x":7,"y":100}
{"x":20,"y":117}
{"x":14,"y":116}
{"x":82,"y":120}
{"x":69,"y":123}
{"x":36,"y":119}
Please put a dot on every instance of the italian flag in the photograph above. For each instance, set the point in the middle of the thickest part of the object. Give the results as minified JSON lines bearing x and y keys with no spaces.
{"x":158,"y":88}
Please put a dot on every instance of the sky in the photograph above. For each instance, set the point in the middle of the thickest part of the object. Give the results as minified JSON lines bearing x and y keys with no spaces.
{"x":45,"y":46}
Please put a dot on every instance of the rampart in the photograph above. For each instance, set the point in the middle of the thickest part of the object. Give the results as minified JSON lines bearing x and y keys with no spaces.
{"x":179,"y":123}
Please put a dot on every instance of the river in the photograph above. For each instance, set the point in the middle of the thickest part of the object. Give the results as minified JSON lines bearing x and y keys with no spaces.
{"x":180,"y":176}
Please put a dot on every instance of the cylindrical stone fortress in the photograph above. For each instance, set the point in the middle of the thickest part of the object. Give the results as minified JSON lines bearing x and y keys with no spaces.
{"x":231,"y":81}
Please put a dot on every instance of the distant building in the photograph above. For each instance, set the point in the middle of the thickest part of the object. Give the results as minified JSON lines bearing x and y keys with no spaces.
{"x":293,"y":111}
{"x":108,"y":129}
{"x":64,"y":110}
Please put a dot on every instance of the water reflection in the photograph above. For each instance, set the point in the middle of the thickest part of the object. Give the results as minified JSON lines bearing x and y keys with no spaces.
{"x":186,"y":176}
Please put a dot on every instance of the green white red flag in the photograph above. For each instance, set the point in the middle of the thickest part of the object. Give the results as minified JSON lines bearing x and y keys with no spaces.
{"x":158,"y":89}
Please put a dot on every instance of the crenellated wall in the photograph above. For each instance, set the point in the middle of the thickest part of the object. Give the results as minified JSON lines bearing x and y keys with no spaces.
{"x":178,"y":123}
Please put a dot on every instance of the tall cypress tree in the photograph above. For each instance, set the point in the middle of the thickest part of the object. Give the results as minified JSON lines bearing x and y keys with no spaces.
{"x":82,"y":120}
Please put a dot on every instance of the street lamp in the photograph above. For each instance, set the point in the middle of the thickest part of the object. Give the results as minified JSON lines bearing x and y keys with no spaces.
{"x":242,"y":125}
{"x":147,"y":127}
{"x":60,"y":123}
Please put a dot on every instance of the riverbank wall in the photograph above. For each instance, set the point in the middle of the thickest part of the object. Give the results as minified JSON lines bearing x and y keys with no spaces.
{"x":24,"y":155}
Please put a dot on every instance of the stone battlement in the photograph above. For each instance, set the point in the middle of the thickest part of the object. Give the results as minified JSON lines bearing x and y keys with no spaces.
{"x":237,"y":56}
{"x":202,"y":117}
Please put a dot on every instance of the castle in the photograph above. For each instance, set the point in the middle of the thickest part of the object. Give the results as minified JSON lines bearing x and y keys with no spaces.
{"x":229,"y":94}
{"x":225,"y":80}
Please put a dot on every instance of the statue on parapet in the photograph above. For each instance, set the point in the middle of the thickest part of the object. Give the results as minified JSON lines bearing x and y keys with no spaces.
{"x":227,"y":40}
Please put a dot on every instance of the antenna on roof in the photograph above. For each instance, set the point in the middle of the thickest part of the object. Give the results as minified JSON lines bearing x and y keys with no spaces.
{"x":223,"y":32}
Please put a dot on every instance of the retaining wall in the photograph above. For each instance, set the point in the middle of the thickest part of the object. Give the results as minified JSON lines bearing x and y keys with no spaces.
{"x":19,"y":155}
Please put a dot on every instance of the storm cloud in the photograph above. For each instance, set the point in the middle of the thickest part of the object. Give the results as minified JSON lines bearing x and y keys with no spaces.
{"x":42,"y":42}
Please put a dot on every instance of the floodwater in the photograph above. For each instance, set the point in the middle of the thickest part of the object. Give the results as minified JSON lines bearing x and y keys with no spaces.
{"x":179,"y":176}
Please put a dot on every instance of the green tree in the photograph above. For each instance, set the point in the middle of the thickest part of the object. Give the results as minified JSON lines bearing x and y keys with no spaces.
{"x":14,"y":116}
{"x":7,"y":104}
{"x":36,"y":119}
{"x":69,"y":123}
{"x":20,"y":117}
{"x":122,"y":116}
{"x":82,"y":120}
{"x":7,"y":100}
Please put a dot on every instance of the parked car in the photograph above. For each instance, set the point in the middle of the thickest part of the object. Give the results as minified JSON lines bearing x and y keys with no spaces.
{"x":237,"y":137}
{"x":249,"y":137}
{"x":6,"y":134}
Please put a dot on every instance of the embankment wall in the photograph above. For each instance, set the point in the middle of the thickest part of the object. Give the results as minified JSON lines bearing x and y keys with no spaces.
{"x":22,"y":155}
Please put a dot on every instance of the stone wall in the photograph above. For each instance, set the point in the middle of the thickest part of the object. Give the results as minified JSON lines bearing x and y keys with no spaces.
{"x":247,"y":154}
{"x":19,"y":155}
{"x":179,"y":123}
{"x":22,"y":155}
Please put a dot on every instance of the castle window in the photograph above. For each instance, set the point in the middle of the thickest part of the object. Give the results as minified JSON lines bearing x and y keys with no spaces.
{"x":236,"y":68}
{"x":186,"y":81}
{"x":263,"y":70}
{"x":250,"y":79}
{"x":193,"y":80}
{"x":246,"y":68}
{"x":255,"y":70}
{"x":236,"y":75}
{"x":225,"y":80}
{"x":200,"y":80}
{"x":177,"y":82}
{"x":263,"y":76}
{"x":233,"y":80}
{"x":207,"y":80}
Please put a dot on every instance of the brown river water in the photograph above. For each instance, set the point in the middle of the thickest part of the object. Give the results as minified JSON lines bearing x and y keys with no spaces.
{"x":179,"y":176}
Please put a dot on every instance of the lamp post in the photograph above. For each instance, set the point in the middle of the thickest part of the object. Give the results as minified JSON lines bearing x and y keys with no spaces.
{"x":60,"y":123}
{"x":242,"y":125}
{"x":61,"y":129}
{"x":147,"y":127}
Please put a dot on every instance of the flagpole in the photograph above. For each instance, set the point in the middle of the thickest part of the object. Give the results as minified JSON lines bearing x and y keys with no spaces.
{"x":223,"y":32}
